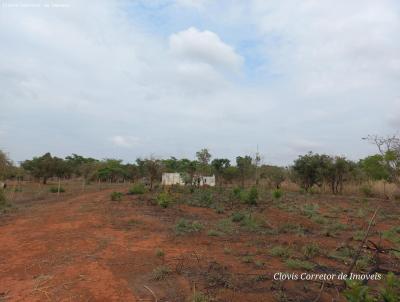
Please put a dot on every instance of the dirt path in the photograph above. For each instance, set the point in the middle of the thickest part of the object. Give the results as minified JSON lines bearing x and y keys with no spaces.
{"x":64,"y":251}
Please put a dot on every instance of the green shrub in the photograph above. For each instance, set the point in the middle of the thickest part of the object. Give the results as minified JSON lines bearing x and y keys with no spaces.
{"x":201,"y":198}
{"x":356,"y":292}
{"x":247,"y":259}
{"x":298,"y":264}
{"x":160,"y":253}
{"x":280,"y":251}
{"x":184,"y":226}
{"x":310,"y":250}
{"x":164,"y":199}
{"x":137,"y":189}
{"x":252,"y":223}
{"x":116,"y":196}
{"x":392,"y":234}
{"x":4,"y":205}
{"x":309,"y":210}
{"x":160,"y":273}
{"x":237,"y":216}
{"x":225,"y":226}
{"x":213,"y":233}
{"x":333,"y":229}
{"x":276,"y":194}
{"x":252,"y":196}
{"x":236,"y":192}
{"x":55,"y":190}
{"x":366,"y":190}
{"x":391,"y":290}
{"x":200,"y":297}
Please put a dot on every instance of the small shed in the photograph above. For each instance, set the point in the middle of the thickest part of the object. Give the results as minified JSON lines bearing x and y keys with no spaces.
{"x":169,"y":179}
{"x":207,"y":181}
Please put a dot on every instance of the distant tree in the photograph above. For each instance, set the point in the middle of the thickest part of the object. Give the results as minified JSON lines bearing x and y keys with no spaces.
{"x":40,"y":167}
{"x":131,"y":172}
{"x":230,"y":173}
{"x":275,"y":175}
{"x":153,"y":168}
{"x":375,"y":168}
{"x":6,"y":166}
{"x":77,"y":162}
{"x":389,"y":149}
{"x":335,"y":171}
{"x":203,"y":157}
{"x":219,"y":166}
{"x":245,"y":167}
{"x":310,"y":169}
{"x":111,"y":170}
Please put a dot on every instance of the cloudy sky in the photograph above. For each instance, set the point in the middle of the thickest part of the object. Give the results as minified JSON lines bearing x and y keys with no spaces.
{"x":134,"y":78}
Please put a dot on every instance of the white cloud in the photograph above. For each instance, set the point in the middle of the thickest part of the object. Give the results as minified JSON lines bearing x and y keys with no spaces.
{"x":125,"y":141}
{"x":205,"y":47}
{"x":291,"y":69}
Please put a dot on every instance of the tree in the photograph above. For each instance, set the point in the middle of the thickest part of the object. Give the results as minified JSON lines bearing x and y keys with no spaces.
{"x":40,"y":167}
{"x":244,"y":166}
{"x":309,"y":169}
{"x":6,"y":166}
{"x":275,"y":175}
{"x":153,"y":168}
{"x":219,"y":165}
{"x":336,"y":169}
{"x":375,"y":168}
{"x":230,"y":173}
{"x":77,"y":162}
{"x":111,"y":170}
{"x":389,"y":149}
{"x":203,"y":157}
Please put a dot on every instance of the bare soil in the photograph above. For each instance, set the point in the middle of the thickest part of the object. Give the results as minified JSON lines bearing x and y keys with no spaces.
{"x":89,"y":248}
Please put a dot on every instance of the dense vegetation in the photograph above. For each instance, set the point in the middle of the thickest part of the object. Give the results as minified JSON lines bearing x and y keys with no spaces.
{"x":309,"y":171}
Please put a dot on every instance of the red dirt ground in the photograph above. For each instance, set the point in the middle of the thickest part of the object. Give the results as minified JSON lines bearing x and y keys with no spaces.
{"x":88,"y":248}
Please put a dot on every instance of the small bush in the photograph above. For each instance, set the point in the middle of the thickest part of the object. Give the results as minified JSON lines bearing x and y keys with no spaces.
{"x":356,"y":292}
{"x":160,"y":273}
{"x":184,"y":226}
{"x":298,"y":264}
{"x":393,"y":234}
{"x":280,"y":251}
{"x":236,"y":192}
{"x":391,"y":290}
{"x":55,"y":190}
{"x":137,"y":189}
{"x":277,"y":194}
{"x":116,"y":196}
{"x":310,"y":250}
{"x":160,"y":253}
{"x":252,"y":223}
{"x":252,"y":196}
{"x":200,"y":297}
{"x":213,"y":233}
{"x":309,"y":210}
{"x":3,"y":202}
{"x":366,"y":190}
{"x":164,"y":199}
{"x":225,"y":226}
{"x":237,"y":217}
{"x":247,"y":259}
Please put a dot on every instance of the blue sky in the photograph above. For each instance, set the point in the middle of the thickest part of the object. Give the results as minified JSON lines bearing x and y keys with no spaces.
{"x":127,"y":79}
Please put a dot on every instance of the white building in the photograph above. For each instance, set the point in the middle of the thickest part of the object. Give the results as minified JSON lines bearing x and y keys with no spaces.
{"x":169,"y":179}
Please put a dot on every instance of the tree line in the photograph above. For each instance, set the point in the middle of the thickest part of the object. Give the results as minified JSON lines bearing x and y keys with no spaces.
{"x":308,"y":170}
